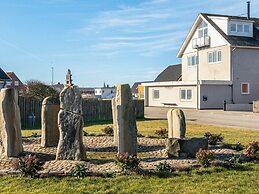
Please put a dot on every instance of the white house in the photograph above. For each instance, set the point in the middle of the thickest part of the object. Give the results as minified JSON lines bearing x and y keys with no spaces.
{"x":220,"y":62}
{"x":105,"y":92}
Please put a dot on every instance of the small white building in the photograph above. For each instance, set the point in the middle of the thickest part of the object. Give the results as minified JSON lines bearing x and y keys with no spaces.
{"x":105,"y":92}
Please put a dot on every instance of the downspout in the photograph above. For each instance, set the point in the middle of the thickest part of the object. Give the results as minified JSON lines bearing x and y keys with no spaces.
{"x":198,"y":82}
{"x":232,"y":74}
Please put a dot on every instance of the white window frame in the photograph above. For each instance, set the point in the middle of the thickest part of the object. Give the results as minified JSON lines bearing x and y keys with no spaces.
{"x":16,"y":83}
{"x":243,"y":28}
{"x":190,"y":60}
{"x":202,"y":28}
{"x":215,"y":54}
{"x":186,"y":95}
{"x":8,"y":83}
{"x":248,"y":88}
{"x":153,"y":94}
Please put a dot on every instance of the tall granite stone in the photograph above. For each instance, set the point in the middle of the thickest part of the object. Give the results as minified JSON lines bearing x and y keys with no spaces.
{"x":179,"y":125}
{"x":10,"y":124}
{"x":115,"y":124}
{"x":124,"y":119}
{"x":170,"y":123}
{"x":49,"y":120}
{"x":70,"y":122}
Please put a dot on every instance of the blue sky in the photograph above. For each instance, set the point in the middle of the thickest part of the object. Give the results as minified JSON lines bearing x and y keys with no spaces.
{"x":116,"y":41}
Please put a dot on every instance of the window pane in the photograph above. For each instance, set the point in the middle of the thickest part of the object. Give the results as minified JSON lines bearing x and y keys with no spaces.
{"x":246,"y":28}
{"x":189,"y":61}
{"x":200,"y":33}
{"x":219,"y":55}
{"x":193,"y":60}
{"x":245,"y":88}
{"x":214,"y":56}
{"x":189,"y":94}
{"x":205,"y":32}
{"x":210,"y":57}
{"x":233,"y":28}
{"x":239,"y":28}
{"x":156,"y":94}
{"x":183,"y":92}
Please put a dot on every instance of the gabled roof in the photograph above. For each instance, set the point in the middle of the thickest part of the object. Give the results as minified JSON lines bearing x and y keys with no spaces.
{"x":171,"y":73}
{"x":3,"y":75}
{"x":231,"y":40}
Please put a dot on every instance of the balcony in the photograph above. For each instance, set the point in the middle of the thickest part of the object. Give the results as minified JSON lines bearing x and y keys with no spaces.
{"x":200,"y":42}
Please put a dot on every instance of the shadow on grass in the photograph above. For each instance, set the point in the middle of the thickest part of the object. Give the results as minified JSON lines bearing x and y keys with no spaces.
{"x":43,"y":157}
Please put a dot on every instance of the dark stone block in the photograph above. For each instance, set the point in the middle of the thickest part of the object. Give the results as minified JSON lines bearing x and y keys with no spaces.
{"x":186,"y":147}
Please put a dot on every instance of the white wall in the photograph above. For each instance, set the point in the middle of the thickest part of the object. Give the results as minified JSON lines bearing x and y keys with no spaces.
{"x":222,"y":23}
{"x":171,"y":94}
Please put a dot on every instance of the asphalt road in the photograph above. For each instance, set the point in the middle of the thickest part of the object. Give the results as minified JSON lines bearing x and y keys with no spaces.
{"x":243,"y":120}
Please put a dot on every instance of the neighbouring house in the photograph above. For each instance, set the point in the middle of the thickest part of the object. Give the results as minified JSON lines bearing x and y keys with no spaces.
{"x":3,"y":79}
{"x":105,"y":92}
{"x":138,"y":90}
{"x":220,"y":63}
{"x":87,"y":93}
{"x":16,"y":83}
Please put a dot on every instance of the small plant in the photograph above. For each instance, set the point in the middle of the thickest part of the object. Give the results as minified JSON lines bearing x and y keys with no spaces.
{"x":234,"y":161}
{"x":79,"y":171}
{"x":163,"y":167}
{"x":213,"y":139}
{"x":237,"y":147}
{"x":108,"y":130}
{"x":34,"y":135}
{"x":28,"y":165}
{"x":205,"y":157}
{"x":162,"y":132}
{"x":109,"y":175}
{"x":127,"y":162}
{"x":252,"y":150}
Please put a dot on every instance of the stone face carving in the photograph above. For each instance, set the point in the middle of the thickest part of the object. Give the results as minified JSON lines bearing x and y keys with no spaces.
{"x":70,"y":122}
{"x":49,"y":120}
{"x":10,"y":124}
{"x":176,"y":123}
{"x":124,"y":119}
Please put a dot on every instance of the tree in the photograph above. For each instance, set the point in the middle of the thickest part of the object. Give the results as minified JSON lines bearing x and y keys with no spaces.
{"x":39,"y":90}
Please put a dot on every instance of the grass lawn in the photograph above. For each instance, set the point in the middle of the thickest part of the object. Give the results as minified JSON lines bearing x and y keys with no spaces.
{"x":212,"y":180}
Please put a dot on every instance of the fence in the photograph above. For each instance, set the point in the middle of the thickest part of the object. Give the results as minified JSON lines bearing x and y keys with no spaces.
{"x":93,"y":110}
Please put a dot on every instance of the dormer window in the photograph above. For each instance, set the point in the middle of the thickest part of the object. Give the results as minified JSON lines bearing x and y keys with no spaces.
{"x":240,"y":28}
{"x":203,"y":30}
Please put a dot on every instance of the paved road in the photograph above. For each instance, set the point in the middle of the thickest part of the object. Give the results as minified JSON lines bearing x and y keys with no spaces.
{"x":244,"y":120}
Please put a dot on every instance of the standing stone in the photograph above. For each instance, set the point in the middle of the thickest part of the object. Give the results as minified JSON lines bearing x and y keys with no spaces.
{"x":115,"y":124}
{"x":49,"y":120}
{"x":124,"y":119}
{"x":10,"y":124}
{"x":70,"y":122}
{"x":179,"y":126}
{"x":170,"y":123}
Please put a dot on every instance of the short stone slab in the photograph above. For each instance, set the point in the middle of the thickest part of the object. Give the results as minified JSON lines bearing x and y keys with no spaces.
{"x":185,"y":147}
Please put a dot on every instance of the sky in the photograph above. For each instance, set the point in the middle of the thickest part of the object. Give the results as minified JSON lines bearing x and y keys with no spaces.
{"x":111,"y":41}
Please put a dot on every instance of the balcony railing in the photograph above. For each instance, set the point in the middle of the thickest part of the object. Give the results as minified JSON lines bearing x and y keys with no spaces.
{"x":200,"y":42}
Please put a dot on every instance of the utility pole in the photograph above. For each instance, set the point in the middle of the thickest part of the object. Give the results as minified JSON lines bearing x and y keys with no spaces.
{"x":52,"y":76}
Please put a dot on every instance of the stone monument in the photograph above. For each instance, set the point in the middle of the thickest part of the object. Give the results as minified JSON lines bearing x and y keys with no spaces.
{"x":10,"y":124}
{"x":124,"y":119}
{"x":176,"y":123}
{"x":49,"y":120}
{"x":70,"y":122}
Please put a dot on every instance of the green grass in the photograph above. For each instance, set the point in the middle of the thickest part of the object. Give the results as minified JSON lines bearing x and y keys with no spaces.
{"x":148,"y":127}
{"x":213,"y":180}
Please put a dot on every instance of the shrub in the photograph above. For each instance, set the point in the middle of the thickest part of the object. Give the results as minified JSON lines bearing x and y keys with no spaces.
{"x":127,"y":161}
{"x":163,"y":167}
{"x":35,"y":135}
{"x":214,"y":139}
{"x":205,"y":157}
{"x":79,"y":171}
{"x":234,"y":161}
{"x":28,"y":165}
{"x":108,"y":130}
{"x":252,"y":150}
{"x":162,"y":132}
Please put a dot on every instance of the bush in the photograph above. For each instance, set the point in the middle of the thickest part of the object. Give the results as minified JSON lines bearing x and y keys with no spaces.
{"x":127,"y":162}
{"x":214,"y":139}
{"x":252,"y":150}
{"x":163,"y":167}
{"x":79,"y":171}
{"x":108,"y":130}
{"x":162,"y":132}
{"x":234,"y":161}
{"x":205,"y":157}
{"x":35,"y":135}
{"x":28,"y":165}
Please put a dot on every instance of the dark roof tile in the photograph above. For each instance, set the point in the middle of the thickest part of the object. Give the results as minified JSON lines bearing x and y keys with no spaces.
{"x":171,"y":73}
